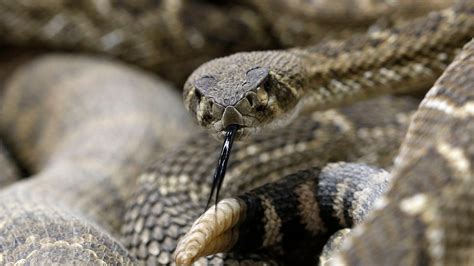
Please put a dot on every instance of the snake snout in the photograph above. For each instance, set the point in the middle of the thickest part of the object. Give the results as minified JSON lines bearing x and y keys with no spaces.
{"x":231,"y":116}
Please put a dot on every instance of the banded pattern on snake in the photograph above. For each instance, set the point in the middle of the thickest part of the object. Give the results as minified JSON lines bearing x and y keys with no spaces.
{"x":73,"y":227}
{"x":65,"y":228}
{"x":420,"y":234}
{"x":154,"y":221}
{"x":424,"y":217}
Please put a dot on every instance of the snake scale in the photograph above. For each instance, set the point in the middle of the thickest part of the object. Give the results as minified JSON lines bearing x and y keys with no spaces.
{"x":173,"y":37}
{"x":47,"y":117}
{"x":41,"y":223}
{"x":265,"y":86}
{"x":424,"y":219}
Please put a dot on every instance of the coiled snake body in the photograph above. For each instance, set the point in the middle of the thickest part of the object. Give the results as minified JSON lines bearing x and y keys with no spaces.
{"x":89,"y":127}
{"x":41,"y":224}
{"x":416,"y":217}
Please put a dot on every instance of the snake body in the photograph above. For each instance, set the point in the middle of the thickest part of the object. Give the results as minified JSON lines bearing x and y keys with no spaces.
{"x":429,"y":207}
{"x":47,"y":132}
{"x":302,"y":23}
{"x":423,"y":219}
{"x":173,"y":37}
{"x":416,"y":223}
{"x":115,"y":107}
{"x":154,"y":222}
{"x":49,"y":108}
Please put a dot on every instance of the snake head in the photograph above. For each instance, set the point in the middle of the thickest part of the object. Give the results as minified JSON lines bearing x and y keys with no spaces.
{"x":252,"y":90}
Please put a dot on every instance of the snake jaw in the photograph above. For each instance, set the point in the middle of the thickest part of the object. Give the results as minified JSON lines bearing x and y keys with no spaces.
{"x":243,"y":114}
{"x":249,"y":113}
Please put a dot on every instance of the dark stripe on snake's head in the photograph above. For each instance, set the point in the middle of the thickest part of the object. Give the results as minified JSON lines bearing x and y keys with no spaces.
{"x":252,"y":90}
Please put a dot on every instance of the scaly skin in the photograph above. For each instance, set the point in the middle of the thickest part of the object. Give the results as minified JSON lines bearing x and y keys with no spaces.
{"x":173,"y":193}
{"x":293,"y":217}
{"x":85,"y":129}
{"x":66,"y":224}
{"x":302,"y":23}
{"x":256,"y":89}
{"x":427,"y":214}
{"x":424,"y":219}
{"x":262,"y":89}
{"x":173,"y":37}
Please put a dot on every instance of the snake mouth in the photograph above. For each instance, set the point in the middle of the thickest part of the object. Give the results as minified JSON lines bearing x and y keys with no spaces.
{"x":233,"y":116}
{"x":241,"y":134}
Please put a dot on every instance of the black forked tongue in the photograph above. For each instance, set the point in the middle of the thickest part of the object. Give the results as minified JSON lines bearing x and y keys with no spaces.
{"x":219,"y":174}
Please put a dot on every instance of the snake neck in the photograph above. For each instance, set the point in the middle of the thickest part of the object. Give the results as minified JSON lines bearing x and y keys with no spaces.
{"x":404,"y":58}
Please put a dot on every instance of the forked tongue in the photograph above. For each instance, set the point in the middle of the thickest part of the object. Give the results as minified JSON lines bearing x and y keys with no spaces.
{"x":219,"y":174}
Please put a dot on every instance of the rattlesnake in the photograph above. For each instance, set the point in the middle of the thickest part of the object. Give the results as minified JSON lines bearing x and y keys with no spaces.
{"x":40,"y":224}
{"x":425,"y":217}
{"x":255,"y":89}
{"x":143,"y":238}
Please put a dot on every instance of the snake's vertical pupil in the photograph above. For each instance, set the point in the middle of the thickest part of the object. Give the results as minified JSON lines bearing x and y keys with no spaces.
{"x":219,"y":174}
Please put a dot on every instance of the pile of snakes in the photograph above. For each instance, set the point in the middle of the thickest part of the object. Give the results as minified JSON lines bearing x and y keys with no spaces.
{"x":355,"y":139}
